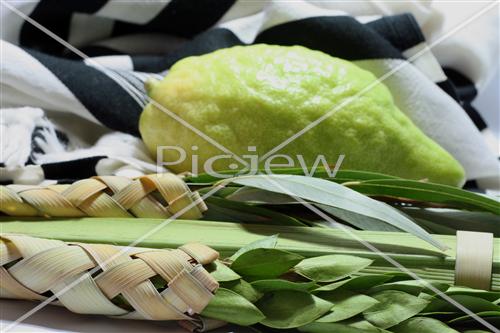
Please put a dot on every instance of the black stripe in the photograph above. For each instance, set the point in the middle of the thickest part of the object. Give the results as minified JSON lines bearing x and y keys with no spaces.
{"x":71,"y":170}
{"x":206,"y":42}
{"x":465,"y":92}
{"x":448,"y":87}
{"x":56,"y":16}
{"x":402,"y":31}
{"x":339,"y":36}
{"x":95,"y":51}
{"x":184,"y":18}
{"x":102,"y":96}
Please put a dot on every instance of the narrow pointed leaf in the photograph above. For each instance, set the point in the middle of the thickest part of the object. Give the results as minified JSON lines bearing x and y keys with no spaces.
{"x":482,"y":314}
{"x":428,"y":192}
{"x":413,"y":287}
{"x":341,"y":176}
{"x":358,"y":220}
{"x":487,"y":295}
{"x":474,"y":304}
{"x":220,"y":209}
{"x":329,"y":193}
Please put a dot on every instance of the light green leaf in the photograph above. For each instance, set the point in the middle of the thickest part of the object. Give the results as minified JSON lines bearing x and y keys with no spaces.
{"x":244,"y":289}
{"x":228,"y":306}
{"x":358,"y":220}
{"x":264,"y":243}
{"x":346,"y":304}
{"x":291,"y":308}
{"x":330,"y":267}
{"x":221,"y":272}
{"x":277,"y":284}
{"x":341,"y":176}
{"x":394,"y":308}
{"x":259,"y":196}
{"x":264,"y":263}
{"x":422,"y":325}
{"x":329,"y":193}
{"x":363,"y":282}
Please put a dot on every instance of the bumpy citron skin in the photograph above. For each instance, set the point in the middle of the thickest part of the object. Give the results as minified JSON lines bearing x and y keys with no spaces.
{"x":260,"y":95}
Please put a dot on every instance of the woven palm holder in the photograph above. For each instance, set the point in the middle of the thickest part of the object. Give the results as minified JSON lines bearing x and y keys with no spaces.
{"x":150,"y":196}
{"x":130,"y":283}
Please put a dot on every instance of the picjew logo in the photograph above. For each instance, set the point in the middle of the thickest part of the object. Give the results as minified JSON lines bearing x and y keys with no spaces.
{"x":269,"y":163}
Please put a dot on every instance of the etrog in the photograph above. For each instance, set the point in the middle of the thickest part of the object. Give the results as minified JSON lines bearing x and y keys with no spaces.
{"x":260,"y":95}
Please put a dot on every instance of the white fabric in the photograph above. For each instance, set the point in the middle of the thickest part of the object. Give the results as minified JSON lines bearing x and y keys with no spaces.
{"x":437,"y":115}
{"x":16,"y":126}
{"x":25,"y":81}
{"x":425,"y":62}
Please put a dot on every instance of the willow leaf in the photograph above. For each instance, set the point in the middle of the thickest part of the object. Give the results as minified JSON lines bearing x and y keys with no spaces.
{"x":329,"y":193}
{"x":220,"y":209}
{"x":487,"y":295}
{"x":414,"y":287}
{"x":482,"y":314}
{"x":360,"y":221}
{"x":320,"y":172}
{"x":291,"y":308}
{"x":259,"y":196}
{"x":473,"y":303}
{"x":445,"y":220}
{"x":428,"y":192}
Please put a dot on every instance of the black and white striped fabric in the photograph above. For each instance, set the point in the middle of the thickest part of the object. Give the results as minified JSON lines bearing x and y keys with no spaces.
{"x":83,"y":109}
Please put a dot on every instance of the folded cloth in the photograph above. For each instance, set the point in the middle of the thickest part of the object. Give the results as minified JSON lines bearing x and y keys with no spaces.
{"x":130,"y":42}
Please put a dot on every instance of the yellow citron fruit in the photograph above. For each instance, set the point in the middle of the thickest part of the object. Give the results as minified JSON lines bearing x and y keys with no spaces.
{"x":260,"y":95}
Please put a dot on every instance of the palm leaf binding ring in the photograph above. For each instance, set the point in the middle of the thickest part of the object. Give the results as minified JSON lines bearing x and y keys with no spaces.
{"x":130,"y":283}
{"x":150,"y":196}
